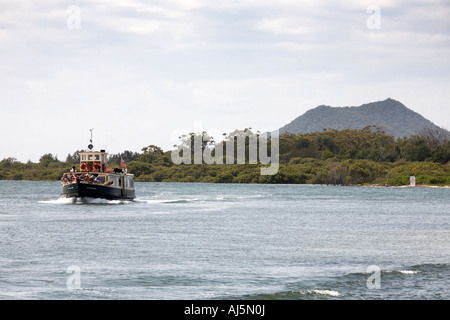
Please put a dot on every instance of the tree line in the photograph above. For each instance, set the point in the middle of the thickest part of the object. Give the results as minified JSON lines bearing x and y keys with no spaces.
{"x":338,"y":157}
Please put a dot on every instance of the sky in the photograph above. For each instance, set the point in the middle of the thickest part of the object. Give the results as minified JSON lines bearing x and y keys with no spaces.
{"x":146,"y":72}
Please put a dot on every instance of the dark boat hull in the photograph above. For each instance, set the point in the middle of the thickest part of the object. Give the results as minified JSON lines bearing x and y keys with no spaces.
{"x":94,"y":190}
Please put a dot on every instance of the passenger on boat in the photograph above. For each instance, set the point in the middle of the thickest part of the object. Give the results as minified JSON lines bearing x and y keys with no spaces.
{"x":73,"y":169}
{"x":68,"y":178}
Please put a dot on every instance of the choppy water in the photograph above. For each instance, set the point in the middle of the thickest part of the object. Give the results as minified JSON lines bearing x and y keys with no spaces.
{"x":225,"y":241}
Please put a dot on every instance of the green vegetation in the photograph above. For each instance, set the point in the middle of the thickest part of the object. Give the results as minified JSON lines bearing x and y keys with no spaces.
{"x":346,"y":157}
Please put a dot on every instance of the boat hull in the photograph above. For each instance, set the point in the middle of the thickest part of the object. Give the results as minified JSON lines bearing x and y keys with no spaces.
{"x":94,"y":190}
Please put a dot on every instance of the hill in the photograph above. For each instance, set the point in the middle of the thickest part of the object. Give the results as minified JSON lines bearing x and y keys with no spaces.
{"x":394,"y":117}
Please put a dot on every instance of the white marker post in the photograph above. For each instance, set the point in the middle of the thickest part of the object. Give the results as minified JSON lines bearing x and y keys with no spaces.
{"x":412,"y":181}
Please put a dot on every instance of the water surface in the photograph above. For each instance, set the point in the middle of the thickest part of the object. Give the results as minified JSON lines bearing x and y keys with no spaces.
{"x":225,"y":241}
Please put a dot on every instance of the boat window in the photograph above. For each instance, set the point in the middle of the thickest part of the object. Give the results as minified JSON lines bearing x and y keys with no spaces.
{"x":115,"y":180}
{"x":97,"y":157}
{"x":83,"y":157}
{"x":101,"y":179}
{"x":90,"y":157}
{"x":129,"y":183}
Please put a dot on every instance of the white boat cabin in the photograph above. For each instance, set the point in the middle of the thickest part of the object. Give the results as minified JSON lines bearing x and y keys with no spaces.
{"x":93,"y":161}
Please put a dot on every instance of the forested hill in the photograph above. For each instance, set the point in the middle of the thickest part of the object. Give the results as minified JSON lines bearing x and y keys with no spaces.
{"x":394,"y":117}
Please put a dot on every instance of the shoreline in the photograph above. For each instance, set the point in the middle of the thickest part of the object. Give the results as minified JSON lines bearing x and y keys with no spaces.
{"x":319,"y":184}
{"x":404,"y":186}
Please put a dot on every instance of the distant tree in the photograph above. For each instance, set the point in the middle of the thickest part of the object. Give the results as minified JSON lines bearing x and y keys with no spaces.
{"x":126,"y":156}
{"x":196,"y":143}
{"x":416,"y":149}
{"x":437,"y":140}
{"x":153,"y":154}
{"x":188,"y":140}
{"x":434,"y":136}
{"x":48,"y":157}
{"x":152,"y":149}
{"x":442,"y":153}
{"x":74,"y":158}
{"x":7,"y":162}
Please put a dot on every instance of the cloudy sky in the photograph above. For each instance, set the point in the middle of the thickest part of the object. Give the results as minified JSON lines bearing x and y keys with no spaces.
{"x":144,"y":72}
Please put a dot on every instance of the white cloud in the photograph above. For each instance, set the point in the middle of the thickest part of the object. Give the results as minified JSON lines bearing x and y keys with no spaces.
{"x":152,"y":68}
{"x":284,"y":26}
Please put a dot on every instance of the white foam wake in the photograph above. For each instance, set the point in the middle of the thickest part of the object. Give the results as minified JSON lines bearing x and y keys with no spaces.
{"x":83,"y":200}
{"x":61,"y":200}
{"x":402,"y":271}
{"x":323,"y":292}
{"x":408,"y":271}
{"x":155,"y":201}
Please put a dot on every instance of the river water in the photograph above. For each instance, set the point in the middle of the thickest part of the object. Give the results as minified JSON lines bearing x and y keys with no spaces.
{"x":225,"y":241}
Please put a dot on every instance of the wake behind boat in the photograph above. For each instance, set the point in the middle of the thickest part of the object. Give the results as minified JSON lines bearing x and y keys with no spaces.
{"x":95,"y":180}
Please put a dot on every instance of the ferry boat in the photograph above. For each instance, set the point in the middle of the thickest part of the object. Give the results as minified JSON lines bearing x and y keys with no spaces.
{"x":95,"y":180}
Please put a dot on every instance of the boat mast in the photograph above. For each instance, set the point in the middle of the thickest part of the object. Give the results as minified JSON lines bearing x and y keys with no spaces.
{"x":90,"y":146}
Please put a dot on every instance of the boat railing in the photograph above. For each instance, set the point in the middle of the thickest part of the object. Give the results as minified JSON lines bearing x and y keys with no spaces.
{"x":74,"y":177}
